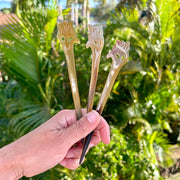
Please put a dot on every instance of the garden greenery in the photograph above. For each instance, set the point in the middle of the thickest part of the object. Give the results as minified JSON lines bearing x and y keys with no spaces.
{"x":143,"y":109}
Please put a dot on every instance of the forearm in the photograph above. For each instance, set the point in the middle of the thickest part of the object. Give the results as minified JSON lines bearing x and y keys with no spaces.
{"x":9,"y":164}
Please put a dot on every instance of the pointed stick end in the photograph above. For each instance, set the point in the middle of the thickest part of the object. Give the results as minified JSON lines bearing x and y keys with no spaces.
{"x":81,"y":159}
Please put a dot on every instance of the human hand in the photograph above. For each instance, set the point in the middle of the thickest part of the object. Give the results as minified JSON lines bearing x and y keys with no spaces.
{"x":56,"y":141}
{"x":102,"y":133}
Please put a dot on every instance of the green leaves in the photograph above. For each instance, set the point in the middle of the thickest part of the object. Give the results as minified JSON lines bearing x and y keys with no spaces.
{"x":31,"y":115}
{"x":144,"y":104}
{"x":123,"y":158}
{"x":167,"y":12}
{"x":20,"y":55}
{"x":25,"y":48}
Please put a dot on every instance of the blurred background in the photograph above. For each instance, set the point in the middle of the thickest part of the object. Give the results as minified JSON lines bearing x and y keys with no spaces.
{"x":143,"y":109}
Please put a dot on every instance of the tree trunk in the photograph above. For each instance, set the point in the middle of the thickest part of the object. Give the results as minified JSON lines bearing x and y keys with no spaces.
{"x":72,"y":13}
{"x":60,"y":17}
{"x":88,"y":13}
{"x":76,"y":12}
{"x":84,"y":14}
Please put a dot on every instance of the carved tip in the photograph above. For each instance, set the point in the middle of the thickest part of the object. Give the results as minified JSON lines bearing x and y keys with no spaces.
{"x":119,"y":52}
{"x":124,"y":46}
{"x":95,"y":37}
{"x":120,"y":47}
{"x":96,"y":32}
{"x":64,"y":23}
{"x":66,"y":33}
{"x":66,"y":27}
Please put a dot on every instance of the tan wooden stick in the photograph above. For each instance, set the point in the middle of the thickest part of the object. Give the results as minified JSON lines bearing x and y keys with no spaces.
{"x":119,"y":55}
{"x":96,"y":43}
{"x":67,"y":37}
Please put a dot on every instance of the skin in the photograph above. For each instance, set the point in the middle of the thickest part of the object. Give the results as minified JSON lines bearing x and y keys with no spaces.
{"x":56,"y":141}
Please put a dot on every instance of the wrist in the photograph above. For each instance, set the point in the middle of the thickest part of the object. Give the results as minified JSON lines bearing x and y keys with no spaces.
{"x":9,"y":164}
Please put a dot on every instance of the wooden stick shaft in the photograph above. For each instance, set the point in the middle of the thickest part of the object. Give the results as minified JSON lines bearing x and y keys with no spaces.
{"x":107,"y":89}
{"x":93,"y":81}
{"x":105,"y":94}
{"x":73,"y":81}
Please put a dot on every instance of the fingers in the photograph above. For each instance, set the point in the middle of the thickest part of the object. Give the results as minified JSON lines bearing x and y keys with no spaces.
{"x":104,"y":130}
{"x":76,"y":130}
{"x":71,"y":160}
{"x":102,"y":133}
{"x":74,"y":152}
{"x":66,"y":118}
{"x":81,"y":128}
{"x":70,"y":163}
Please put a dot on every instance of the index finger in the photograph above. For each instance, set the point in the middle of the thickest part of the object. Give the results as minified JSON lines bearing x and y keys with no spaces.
{"x":104,"y":130}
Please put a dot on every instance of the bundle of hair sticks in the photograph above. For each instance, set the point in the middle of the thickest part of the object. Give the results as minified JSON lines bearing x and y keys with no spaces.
{"x":119,"y":54}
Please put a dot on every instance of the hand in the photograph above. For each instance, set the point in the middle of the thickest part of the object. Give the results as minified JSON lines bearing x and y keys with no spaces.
{"x":56,"y":141}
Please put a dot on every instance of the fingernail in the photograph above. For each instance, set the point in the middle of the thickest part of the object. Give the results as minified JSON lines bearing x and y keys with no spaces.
{"x":91,"y":117}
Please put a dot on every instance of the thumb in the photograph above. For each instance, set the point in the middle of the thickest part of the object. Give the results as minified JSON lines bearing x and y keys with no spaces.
{"x":82,"y":127}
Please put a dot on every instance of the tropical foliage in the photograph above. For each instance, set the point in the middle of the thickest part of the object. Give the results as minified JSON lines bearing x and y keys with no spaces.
{"x":143,"y":109}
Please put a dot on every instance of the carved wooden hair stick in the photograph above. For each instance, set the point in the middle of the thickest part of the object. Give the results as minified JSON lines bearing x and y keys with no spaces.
{"x":67,"y":37}
{"x":96,"y":43}
{"x":119,"y":55}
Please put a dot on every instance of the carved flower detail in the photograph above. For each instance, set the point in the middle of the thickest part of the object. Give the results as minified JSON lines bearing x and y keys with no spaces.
{"x":119,"y":53}
{"x":67,"y":34}
{"x":95,"y":37}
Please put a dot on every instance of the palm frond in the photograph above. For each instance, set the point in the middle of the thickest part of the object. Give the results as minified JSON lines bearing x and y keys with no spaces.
{"x":168,"y":12}
{"x":30,"y":117}
{"x":23,"y":44}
